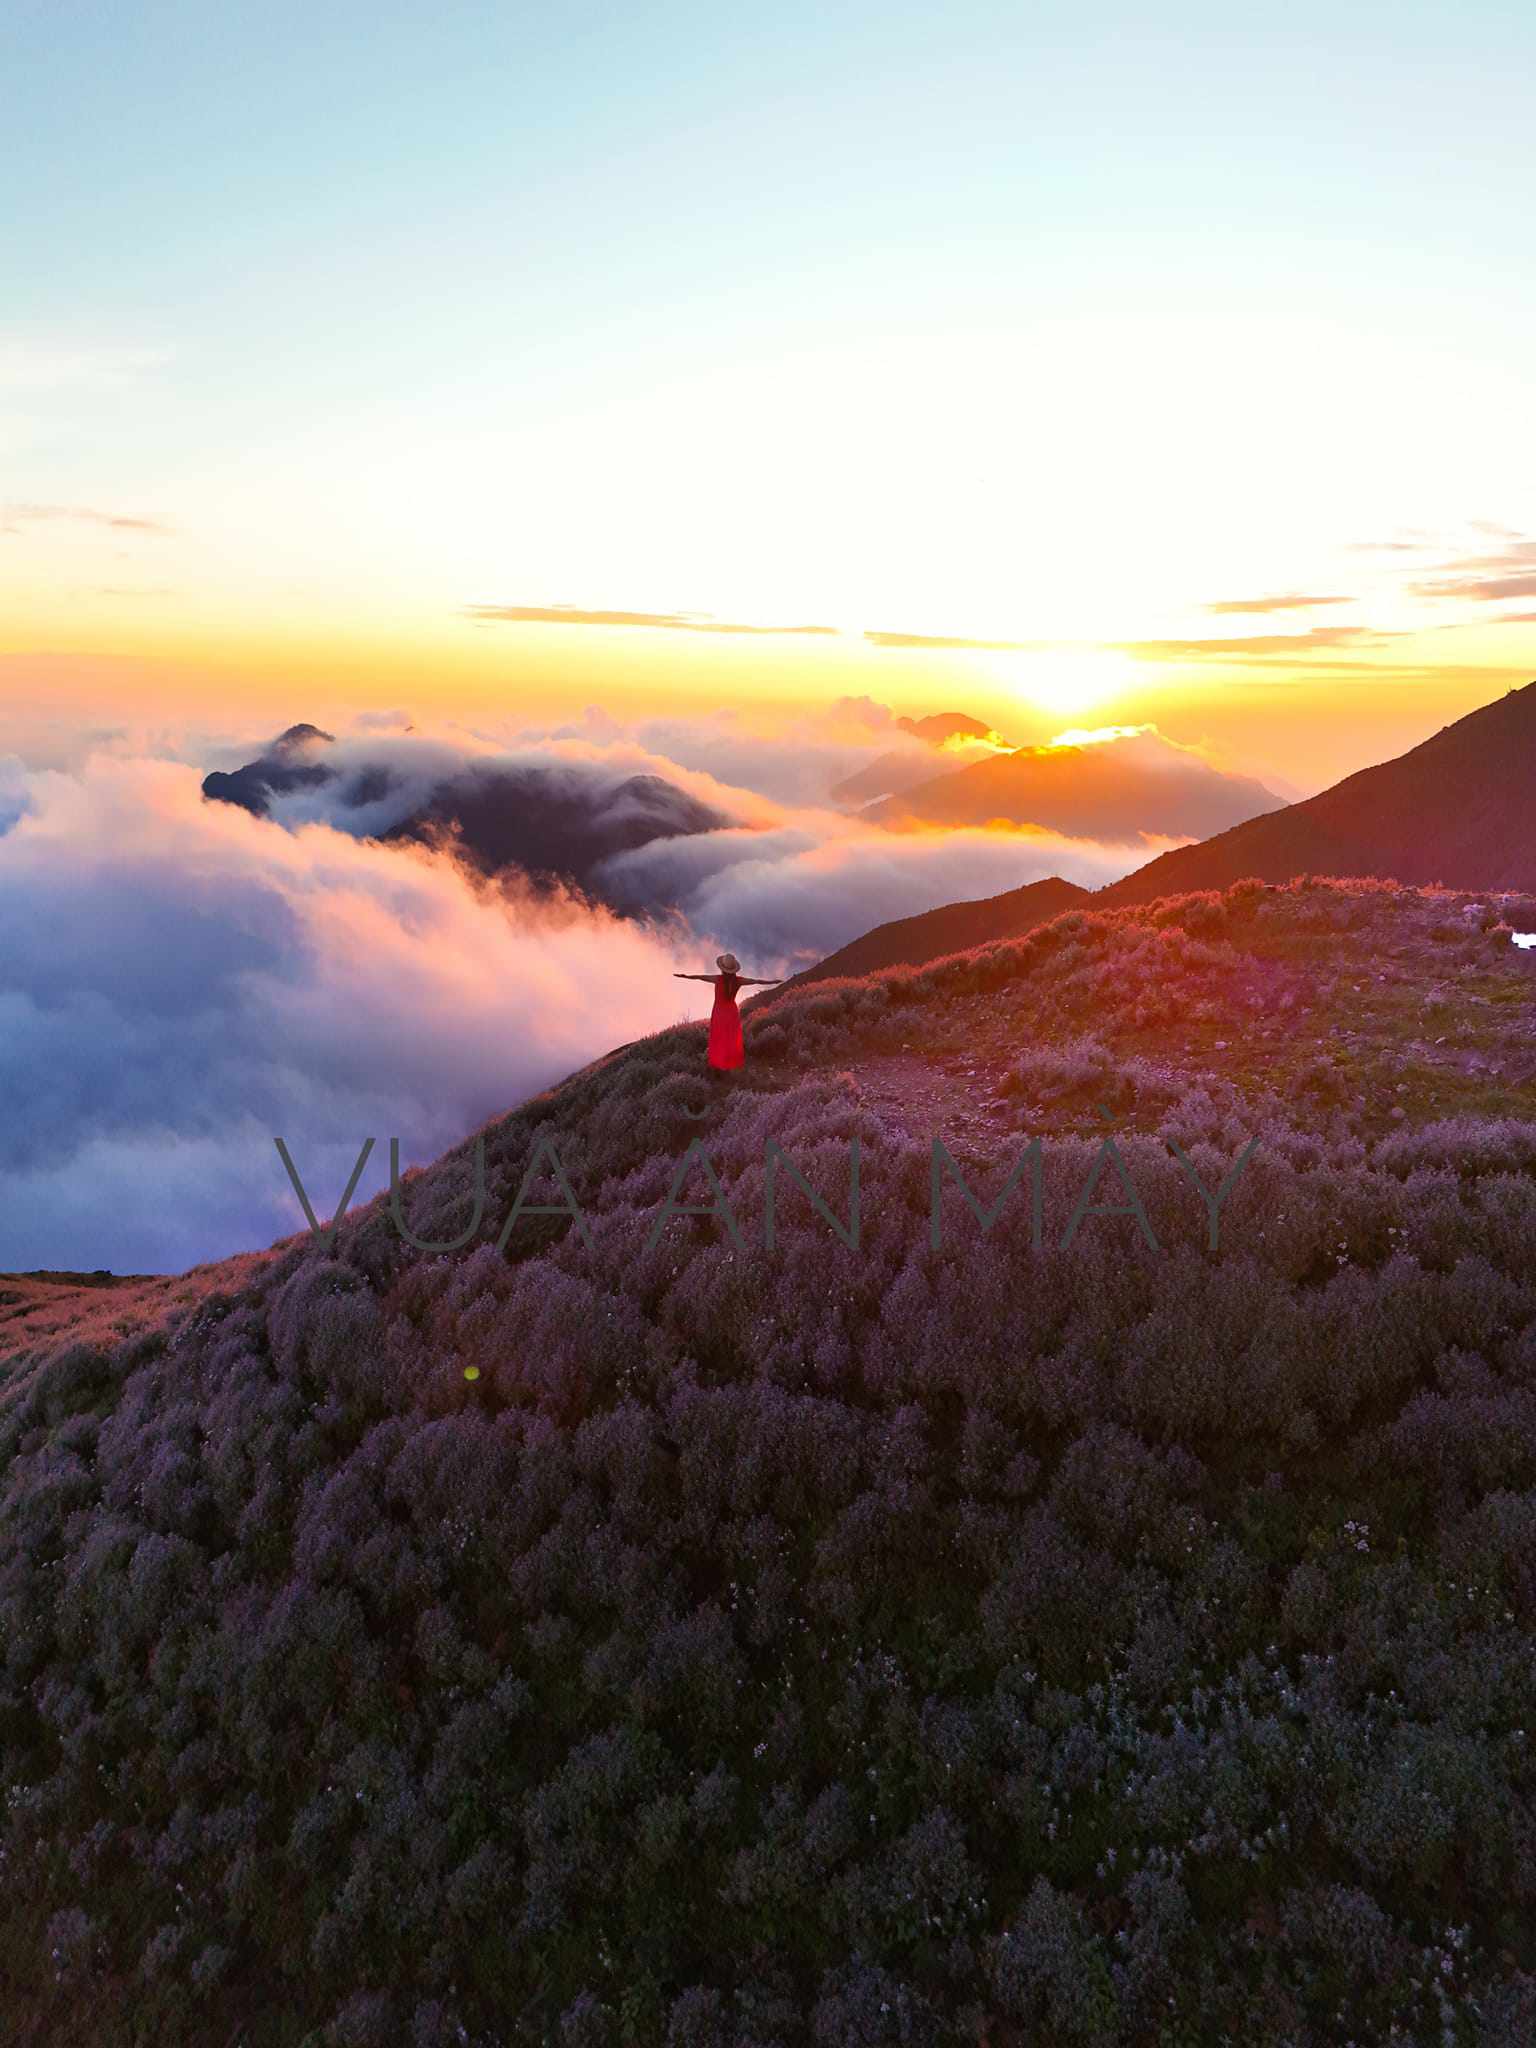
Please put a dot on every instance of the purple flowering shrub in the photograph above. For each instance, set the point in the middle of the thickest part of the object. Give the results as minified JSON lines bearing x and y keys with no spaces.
{"x":1086,"y":1071}
{"x":1104,"y":1641}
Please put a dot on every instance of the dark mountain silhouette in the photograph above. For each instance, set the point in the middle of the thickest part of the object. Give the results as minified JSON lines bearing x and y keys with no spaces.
{"x":900,"y":767}
{"x":952,"y":928}
{"x":940,"y":726}
{"x":1459,"y":809}
{"x":549,"y":825}
{"x":285,"y":766}
{"x":545,"y":818}
{"x":300,"y":735}
{"x":1109,"y":789}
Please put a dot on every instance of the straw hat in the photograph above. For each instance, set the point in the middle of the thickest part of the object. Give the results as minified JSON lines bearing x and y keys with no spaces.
{"x":728,"y":961}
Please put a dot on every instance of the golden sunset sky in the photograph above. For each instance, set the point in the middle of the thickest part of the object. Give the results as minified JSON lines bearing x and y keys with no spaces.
{"x":496,"y":362}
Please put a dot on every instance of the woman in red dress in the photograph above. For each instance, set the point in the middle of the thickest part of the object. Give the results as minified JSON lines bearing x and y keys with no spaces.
{"x":725,"y":1047}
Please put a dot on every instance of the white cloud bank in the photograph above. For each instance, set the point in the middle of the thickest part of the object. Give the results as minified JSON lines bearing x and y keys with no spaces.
{"x":181,"y":982}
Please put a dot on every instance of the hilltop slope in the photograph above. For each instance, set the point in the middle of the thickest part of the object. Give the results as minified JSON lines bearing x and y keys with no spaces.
{"x":911,"y":941}
{"x":1458,"y":809}
{"x":815,"y":1644}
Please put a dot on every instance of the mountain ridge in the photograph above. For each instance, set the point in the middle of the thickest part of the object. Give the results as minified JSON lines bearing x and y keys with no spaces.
{"x":1398,"y":818}
{"x":950,"y":928}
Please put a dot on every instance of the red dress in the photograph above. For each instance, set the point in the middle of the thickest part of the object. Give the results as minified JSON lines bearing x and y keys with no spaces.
{"x":725,"y":1047}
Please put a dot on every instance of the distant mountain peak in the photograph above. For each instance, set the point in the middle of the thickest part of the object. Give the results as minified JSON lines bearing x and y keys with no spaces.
{"x":939,"y":726}
{"x":902,"y":765}
{"x":277,"y":772}
{"x":301,"y":735}
{"x":1113,"y":784}
{"x":499,"y":815}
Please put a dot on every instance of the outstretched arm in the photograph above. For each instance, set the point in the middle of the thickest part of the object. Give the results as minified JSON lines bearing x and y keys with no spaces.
{"x":692,"y":977}
{"x":757,"y":981}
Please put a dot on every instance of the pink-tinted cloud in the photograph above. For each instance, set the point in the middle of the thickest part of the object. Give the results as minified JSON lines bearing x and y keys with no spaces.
{"x":1487,"y":578}
{"x":1483,"y":589}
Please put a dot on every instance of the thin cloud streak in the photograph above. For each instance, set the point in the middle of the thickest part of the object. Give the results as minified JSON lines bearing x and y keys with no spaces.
{"x":878,"y":639}
{"x":1390,"y":547}
{"x":1486,"y":578}
{"x":1481,"y":590}
{"x":701,"y":622}
{"x":16,"y":516}
{"x":576,"y":615}
{"x":1256,"y":646}
{"x":1292,"y":603}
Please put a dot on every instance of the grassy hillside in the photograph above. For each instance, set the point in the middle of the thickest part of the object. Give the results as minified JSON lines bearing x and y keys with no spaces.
{"x":952,"y":928}
{"x":983,"y":1644}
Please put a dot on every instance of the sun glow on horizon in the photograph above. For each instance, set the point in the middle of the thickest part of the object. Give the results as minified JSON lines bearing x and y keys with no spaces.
{"x":1065,"y":681}
{"x":1094,"y":736}
{"x":970,"y":744}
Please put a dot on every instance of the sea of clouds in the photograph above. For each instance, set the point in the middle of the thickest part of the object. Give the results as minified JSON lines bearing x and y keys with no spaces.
{"x":182,"y":981}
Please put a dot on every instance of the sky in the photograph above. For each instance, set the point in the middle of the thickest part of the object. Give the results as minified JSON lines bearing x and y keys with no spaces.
{"x":491,"y":358}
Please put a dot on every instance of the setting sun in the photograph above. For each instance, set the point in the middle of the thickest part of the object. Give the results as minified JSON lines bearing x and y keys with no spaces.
{"x":1064,"y":681}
